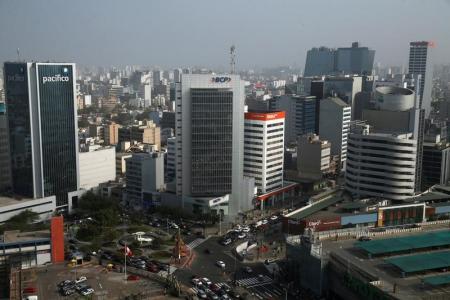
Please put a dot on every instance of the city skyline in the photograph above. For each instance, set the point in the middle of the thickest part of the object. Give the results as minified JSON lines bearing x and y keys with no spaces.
{"x":176,"y":33}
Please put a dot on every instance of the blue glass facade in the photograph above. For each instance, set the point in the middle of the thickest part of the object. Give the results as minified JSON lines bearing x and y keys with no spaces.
{"x":18,"y":110}
{"x":58,"y":130}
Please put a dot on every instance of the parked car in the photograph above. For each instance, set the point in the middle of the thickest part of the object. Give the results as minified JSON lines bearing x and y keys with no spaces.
{"x":246,"y":229}
{"x":81,"y":279}
{"x":248,"y":270}
{"x":65,"y":283}
{"x":221,"y":264}
{"x":196,"y":281}
{"x":133,"y":277}
{"x":242,"y":236}
{"x":226,"y":242}
{"x":87,"y":291}
{"x":364,"y":239}
{"x":206,"y":281}
{"x":214,"y":287}
{"x":68,"y":292}
{"x":201,"y":294}
{"x":274,"y":218}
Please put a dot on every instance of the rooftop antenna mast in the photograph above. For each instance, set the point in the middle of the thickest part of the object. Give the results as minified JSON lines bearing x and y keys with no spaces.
{"x":232,"y":59}
{"x":18,"y":54}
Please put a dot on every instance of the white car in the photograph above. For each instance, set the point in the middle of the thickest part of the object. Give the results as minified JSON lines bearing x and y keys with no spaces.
{"x":238,"y":227}
{"x":201,"y":294}
{"x":246,"y":229}
{"x":87,"y":291}
{"x":274,"y":218}
{"x":174,"y":226}
{"x":81,"y":279}
{"x":220,"y":264}
{"x":196,"y":281}
{"x":264,"y":222}
{"x":206,"y":281}
{"x":242,"y":236}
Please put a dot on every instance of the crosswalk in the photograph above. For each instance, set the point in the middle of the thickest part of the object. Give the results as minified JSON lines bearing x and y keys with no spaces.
{"x":254,"y":281}
{"x":267,"y":291}
{"x":195,"y":243}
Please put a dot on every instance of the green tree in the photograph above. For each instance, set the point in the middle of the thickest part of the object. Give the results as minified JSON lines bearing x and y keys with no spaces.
{"x":23,"y":221}
{"x":83,"y":123}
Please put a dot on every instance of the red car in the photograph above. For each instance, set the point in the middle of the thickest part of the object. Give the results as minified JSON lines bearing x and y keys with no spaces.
{"x":29,"y":290}
{"x":214,"y":287}
{"x":153,"y":268}
{"x":133,"y":277}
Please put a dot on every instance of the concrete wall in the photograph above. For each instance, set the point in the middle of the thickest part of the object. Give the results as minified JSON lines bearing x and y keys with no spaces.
{"x":97,"y":167}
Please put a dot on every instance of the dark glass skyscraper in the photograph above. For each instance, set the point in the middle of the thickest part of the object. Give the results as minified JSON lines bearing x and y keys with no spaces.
{"x":40,"y":101}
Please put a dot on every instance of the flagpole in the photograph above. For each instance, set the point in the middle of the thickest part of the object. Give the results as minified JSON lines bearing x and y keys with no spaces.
{"x":125,"y":258}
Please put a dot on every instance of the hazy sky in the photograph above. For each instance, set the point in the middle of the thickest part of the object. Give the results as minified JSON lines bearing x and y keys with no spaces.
{"x":172,"y":33}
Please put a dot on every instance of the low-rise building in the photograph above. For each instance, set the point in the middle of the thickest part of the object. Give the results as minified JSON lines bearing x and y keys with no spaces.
{"x":313,"y":157}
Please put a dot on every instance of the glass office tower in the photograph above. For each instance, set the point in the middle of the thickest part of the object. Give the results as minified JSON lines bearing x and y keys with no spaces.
{"x":41,"y":109}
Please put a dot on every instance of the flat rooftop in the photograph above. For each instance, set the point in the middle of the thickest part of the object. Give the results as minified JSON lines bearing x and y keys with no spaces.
{"x":15,"y":236}
{"x":6,"y":201}
{"x":406,"y":243}
{"x":421,"y":262}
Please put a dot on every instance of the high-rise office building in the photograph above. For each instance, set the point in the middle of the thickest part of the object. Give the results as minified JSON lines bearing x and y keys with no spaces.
{"x":420,"y":62}
{"x":177,"y":75}
{"x":313,"y":157}
{"x":5,"y":158}
{"x":264,"y":149}
{"x":144,"y":176}
{"x":210,"y":136}
{"x":383,"y":158}
{"x":343,"y":87}
{"x":157,"y":76}
{"x":41,"y":108}
{"x":300,"y":114}
{"x":435,"y":162}
{"x":334,"y":125}
{"x":111,"y":134}
{"x":344,"y":61}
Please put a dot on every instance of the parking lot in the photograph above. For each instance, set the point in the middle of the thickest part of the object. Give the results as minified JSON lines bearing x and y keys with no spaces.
{"x":106,"y":284}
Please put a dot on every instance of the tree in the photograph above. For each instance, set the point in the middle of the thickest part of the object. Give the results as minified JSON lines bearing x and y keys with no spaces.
{"x":83,"y":123}
{"x":22,"y":221}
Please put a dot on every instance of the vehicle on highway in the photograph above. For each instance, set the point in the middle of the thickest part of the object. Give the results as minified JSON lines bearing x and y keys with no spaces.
{"x":206,"y":281}
{"x":220,"y":264}
{"x":364,"y":239}
{"x":248,"y":270}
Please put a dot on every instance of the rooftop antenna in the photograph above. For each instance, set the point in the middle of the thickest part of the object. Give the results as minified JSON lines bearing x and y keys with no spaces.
{"x":18,"y":54}
{"x":232,"y":59}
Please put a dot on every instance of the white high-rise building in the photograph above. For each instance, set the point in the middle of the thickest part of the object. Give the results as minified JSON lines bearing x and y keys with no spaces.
{"x":264,"y":149}
{"x":420,"y":62}
{"x":334,"y":125}
{"x":210,"y":135}
{"x":382,"y":159}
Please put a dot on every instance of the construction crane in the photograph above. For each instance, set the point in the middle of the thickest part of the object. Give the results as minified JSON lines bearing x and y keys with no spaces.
{"x":232,"y":59}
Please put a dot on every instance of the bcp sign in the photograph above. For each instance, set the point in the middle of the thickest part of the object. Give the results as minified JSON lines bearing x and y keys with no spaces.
{"x":222,"y":79}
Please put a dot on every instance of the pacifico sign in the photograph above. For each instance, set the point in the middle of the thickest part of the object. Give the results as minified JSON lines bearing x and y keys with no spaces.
{"x":56,"y":78}
{"x":220,"y":79}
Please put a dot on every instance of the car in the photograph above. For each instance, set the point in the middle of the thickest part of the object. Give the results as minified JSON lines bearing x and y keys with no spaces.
{"x":87,"y":291}
{"x":234,"y":295}
{"x":246,"y":229}
{"x":274,"y":218}
{"x":81,"y":279}
{"x":221,"y":264}
{"x":269,"y":261}
{"x":226,"y":288}
{"x":29,"y":290}
{"x":153,"y":268}
{"x":156,"y":224}
{"x":242,"y":236}
{"x":174,"y":226}
{"x":226,"y":242}
{"x":201,"y":294}
{"x":68,"y":292}
{"x":224,"y":297}
{"x":80,"y":287}
{"x":264,"y":222}
{"x":248,"y":270}
{"x":260,"y":277}
{"x":206,"y":281}
{"x":364,"y":239}
{"x":196,"y":281}
{"x":211,"y":295}
{"x":65,"y":283}
{"x":133,"y":277}
{"x":214,"y":287}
